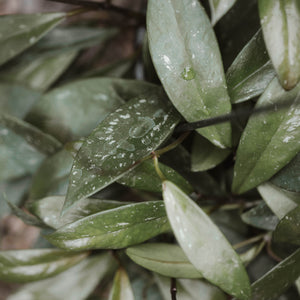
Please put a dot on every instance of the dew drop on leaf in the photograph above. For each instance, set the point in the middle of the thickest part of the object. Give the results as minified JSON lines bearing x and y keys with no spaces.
{"x":188,"y":73}
{"x":143,"y":126}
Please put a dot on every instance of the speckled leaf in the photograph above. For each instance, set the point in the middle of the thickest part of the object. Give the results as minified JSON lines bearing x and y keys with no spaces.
{"x":63,"y":111}
{"x":31,"y":265}
{"x":113,"y":229}
{"x":52,"y":177}
{"x":186,"y":56}
{"x":269,"y":141}
{"x":37,"y":70}
{"x":121,"y":288}
{"x":288,"y":178}
{"x":19,"y":32}
{"x":166,"y":259}
{"x":144,"y":177}
{"x":261,"y":216}
{"x":278,"y":279}
{"x":251,"y":72}
{"x":280,"y":21}
{"x":17,"y":157}
{"x":205,"y":155}
{"x":189,"y":289}
{"x":43,"y":142}
{"x":288,"y":229}
{"x":126,"y":136}
{"x":76,"y":283}
{"x":219,"y":8}
{"x":48,"y":209}
{"x":16,"y":99}
{"x":279,"y":201}
{"x":204,"y":244}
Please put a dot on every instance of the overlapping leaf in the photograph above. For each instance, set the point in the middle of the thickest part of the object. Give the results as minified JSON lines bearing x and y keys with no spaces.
{"x":115,"y":228}
{"x":269,"y":141}
{"x":117,"y":145}
{"x":251,"y":72}
{"x":204,"y":244}
{"x":219,"y":8}
{"x":18,"y":32}
{"x":31,"y":265}
{"x":280,"y":21}
{"x":186,"y":56}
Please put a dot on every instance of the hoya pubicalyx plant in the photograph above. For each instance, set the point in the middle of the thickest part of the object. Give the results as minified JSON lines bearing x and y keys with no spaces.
{"x":170,"y":171}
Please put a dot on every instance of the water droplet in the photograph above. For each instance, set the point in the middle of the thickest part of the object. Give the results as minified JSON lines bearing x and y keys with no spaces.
{"x":32,"y":40}
{"x":188,"y":73}
{"x":142,"y":126}
{"x":126,"y":146}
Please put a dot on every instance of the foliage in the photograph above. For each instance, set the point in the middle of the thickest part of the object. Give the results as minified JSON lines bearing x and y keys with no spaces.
{"x":125,"y":202}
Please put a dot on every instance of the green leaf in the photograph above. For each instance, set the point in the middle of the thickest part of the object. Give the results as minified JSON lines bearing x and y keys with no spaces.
{"x":121,"y":289}
{"x":280,"y":201}
{"x":288,"y":178}
{"x":269,"y":141}
{"x":186,"y":56}
{"x":251,"y":72}
{"x":31,"y":265}
{"x":63,"y":111}
{"x":38,"y":71}
{"x":261,"y":216}
{"x":113,"y":229}
{"x":118,"y":144}
{"x":288,"y":229}
{"x":281,"y":29}
{"x":189,"y":289}
{"x":205,"y":155}
{"x":219,"y":8}
{"x":278,"y":279}
{"x":76,"y":283}
{"x":252,"y":253}
{"x":144,"y":177}
{"x":16,"y":99}
{"x":204,"y":244}
{"x":166,"y":259}
{"x":35,"y":137}
{"x":19,"y":32}
{"x":48,"y":209}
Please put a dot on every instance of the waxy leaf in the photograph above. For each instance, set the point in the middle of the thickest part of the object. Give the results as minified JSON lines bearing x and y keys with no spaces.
{"x":35,"y":137}
{"x":31,"y":265}
{"x":117,"y":145}
{"x":49,"y":209}
{"x":76,"y":283}
{"x":219,"y":8}
{"x":204,"y":244}
{"x":205,"y":155}
{"x":278,"y":279}
{"x":19,"y":32}
{"x":252,"y":253}
{"x":288,"y":178}
{"x":279,"y":201}
{"x":186,"y":56}
{"x":251,"y":72}
{"x":288,"y":229}
{"x":280,"y":21}
{"x":63,"y":111}
{"x":166,"y":259}
{"x":269,"y":141}
{"x":121,"y":289}
{"x":113,"y":229}
{"x":144,"y":177}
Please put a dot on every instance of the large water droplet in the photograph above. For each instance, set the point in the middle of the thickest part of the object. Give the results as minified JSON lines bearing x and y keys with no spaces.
{"x":126,"y":146}
{"x":188,"y":73}
{"x":142,"y":126}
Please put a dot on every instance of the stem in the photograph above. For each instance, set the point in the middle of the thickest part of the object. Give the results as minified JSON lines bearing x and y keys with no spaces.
{"x":77,"y":12}
{"x":173,"y":289}
{"x":269,"y":249}
{"x":249,"y":241}
{"x":157,"y":169}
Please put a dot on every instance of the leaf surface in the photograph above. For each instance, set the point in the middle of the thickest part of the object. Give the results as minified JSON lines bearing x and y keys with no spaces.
{"x":31,"y":265}
{"x":186,"y":56}
{"x":118,"y":144}
{"x":269,"y":141}
{"x":219,"y":8}
{"x":204,"y":244}
{"x":19,"y":32}
{"x":166,"y":259}
{"x":113,"y":229}
{"x":280,"y":21}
